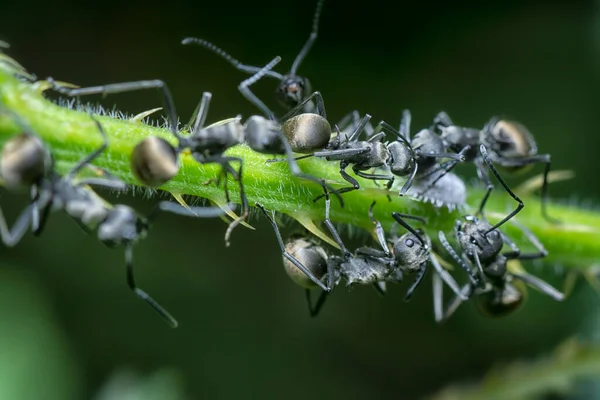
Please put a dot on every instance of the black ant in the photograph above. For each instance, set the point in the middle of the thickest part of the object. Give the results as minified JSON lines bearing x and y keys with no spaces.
{"x":25,"y":161}
{"x":293,"y":89}
{"x":402,"y":158}
{"x":494,"y":291}
{"x":154,"y":161}
{"x":304,"y":258}
{"x":506,"y":143}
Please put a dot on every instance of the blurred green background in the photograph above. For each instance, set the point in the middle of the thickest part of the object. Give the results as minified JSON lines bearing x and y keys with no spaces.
{"x":68,"y":321}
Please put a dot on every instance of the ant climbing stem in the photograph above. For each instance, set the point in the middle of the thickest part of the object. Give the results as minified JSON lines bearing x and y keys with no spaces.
{"x":489,"y":188}
{"x":273,"y":125}
{"x":292,"y":89}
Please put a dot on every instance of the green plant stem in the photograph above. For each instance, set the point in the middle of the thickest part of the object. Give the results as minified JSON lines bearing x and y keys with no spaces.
{"x":71,"y":134}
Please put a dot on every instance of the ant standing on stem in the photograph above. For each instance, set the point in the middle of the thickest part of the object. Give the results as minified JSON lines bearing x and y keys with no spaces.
{"x":26,"y":161}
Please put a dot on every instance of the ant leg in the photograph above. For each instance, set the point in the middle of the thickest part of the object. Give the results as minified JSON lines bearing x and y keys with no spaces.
{"x":311,"y":39}
{"x":409,"y":181}
{"x":379,"y":232}
{"x":542,"y":158}
{"x":446,"y":167}
{"x":39,"y":220}
{"x":373,"y":177}
{"x":314,"y":310}
{"x":420,"y":275}
{"x":349,"y":120}
{"x":479,"y":270}
{"x":140,"y":293}
{"x":299,"y":109}
{"x":444,"y":276}
{"x":332,"y":230}
{"x":244,"y":87}
{"x":405,"y":124}
{"x":287,"y":255}
{"x":338,"y":192}
{"x":483,"y":176}
{"x":539,"y":284}
{"x":520,"y":205}
{"x":10,"y":237}
{"x":542,"y":252}
{"x":93,"y":155}
{"x":127,"y":87}
{"x":461,"y":263}
{"x":438,"y":297}
{"x":202,"y":111}
{"x":466,"y":291}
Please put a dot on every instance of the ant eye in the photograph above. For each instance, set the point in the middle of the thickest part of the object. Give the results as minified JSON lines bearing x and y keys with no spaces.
{"x":494,"y":234}
{"x":409,"y":243}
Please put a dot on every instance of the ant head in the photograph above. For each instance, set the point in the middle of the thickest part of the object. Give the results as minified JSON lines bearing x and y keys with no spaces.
{"x":508,"y":139}
{"x":498,"y":302}
{"x":311,"y":255}
{"x":412,"y":251}
{"x":307,"y":132}
{"x":154,"y":161}
{"x":471,"y":234}
{"x":121,"y":226}
{"x":292,"y":90}
{"x":24,"y":161}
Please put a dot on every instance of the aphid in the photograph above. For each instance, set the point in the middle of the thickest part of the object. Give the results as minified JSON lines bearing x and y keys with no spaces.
{"x":494,"y":291}
{"x":293,"y":89}
{"x":115,"y":225}
{"x":506,"y":143}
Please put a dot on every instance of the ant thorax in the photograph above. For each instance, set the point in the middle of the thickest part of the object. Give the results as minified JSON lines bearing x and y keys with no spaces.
{"x":508,"y":139}
{"x":263,"y":135}
{"x":80,"y":203}
{"x":472,"y":238}
{"x":218,"y":137}
{"x":309,"y":254}
{"x":457,"y":138}
{"x":121,"y":226}
{"x":361,"y":270}
{"x":427,"y":142}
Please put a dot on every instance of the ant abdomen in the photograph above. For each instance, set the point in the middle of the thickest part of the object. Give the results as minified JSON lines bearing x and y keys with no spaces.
{"x":508,"y":139}
{"x":307,"y":133}
{"x":312,"y":256}
{"x":500,"y":301}
{"x":154,"y":161}
{"x":24,"y":161}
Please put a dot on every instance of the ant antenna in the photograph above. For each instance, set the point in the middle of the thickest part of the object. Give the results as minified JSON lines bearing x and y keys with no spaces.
{"x":244,"y":87}
{"x":311,"y":39}
{"x":237,"y":64}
